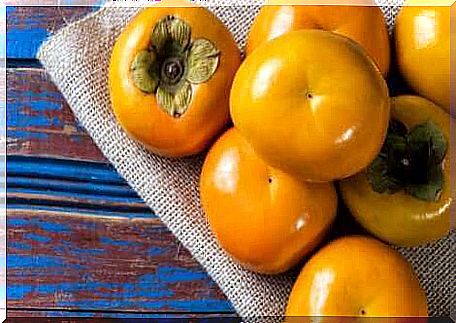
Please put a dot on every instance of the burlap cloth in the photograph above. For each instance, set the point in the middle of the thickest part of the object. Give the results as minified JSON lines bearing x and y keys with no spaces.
{"x":77,"y":59}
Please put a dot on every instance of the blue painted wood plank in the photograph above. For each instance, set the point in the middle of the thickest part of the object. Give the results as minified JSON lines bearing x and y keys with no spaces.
{"x":48,"y":168}
{"x":73,"y":196}
{"x":79,"y":238}
{"x":39,"y":121}
{"x":60,"y":261}
{"x":78,"y":187}
{"x":71,"y":186}
{"x":81,"y":209}
{"x":28,"y":27}
{"x":130,"y":317}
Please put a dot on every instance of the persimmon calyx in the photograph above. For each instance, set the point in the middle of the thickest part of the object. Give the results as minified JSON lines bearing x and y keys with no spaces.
{"x":410,"y":161}
{"x":172,"y":63}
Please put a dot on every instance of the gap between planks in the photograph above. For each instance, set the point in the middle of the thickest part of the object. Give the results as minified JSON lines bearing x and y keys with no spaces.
{"x":82,"y":214}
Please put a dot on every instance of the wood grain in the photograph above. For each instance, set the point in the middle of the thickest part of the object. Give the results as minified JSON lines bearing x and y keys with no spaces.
{"x":77,"y":186}
{"x":17,"y":3}
{"x":80,"y":241}
{"x":61,"y":260}
{"x":23,"y":316}
{"x":39,"y":121}
{"x":28,"y":27}
{"x":79,"y":237}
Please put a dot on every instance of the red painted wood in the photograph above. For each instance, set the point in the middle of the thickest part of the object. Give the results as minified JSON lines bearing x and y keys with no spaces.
{"x":23,"y":316}
{"x":60,"y":260}
{"x":73,"y":261}
{"x":50,"y":2}
{"x":64,"y":261}
{"x":40,"y":122}
{"x":28,"y":26}
{"x":45,"y":317}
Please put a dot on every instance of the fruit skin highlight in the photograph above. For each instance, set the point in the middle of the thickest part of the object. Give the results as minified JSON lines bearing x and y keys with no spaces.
{"x":318,"y":112}
{"x":422,"y":37}
{"x":265,"y":219}
{"x":400,"y":218}
{"x":357,"y":277}
{"x":202,"y":106}
{"x":349,"y":21}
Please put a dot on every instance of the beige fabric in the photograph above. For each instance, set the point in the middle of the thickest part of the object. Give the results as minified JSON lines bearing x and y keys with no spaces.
{"x":77,"y":58}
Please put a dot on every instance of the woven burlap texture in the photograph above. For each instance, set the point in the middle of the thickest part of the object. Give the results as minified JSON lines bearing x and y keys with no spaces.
{"x":77,"y":59}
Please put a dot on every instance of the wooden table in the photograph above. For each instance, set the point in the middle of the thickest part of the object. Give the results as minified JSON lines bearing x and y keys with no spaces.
{"x":80,"y":241}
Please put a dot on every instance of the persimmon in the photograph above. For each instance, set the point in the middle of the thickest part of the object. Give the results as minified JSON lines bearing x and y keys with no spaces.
{"x":265,"y":219}
{"x":313,"y":104}
{"x":404,"y":197}
{"x":356,"y":278}
{"x":170,"y":77}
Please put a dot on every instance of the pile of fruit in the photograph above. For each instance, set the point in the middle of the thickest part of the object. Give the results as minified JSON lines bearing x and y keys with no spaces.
{"x":311,"y":125}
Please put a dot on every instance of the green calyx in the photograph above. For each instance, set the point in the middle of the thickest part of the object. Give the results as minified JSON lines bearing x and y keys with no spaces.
{"x":172,"y":63}
{"x":410,"y":161}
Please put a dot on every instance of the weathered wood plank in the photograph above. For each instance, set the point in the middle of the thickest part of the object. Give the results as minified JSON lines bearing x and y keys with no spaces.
{"x":39,"y":121}
{"x":17,"y":3}
{"x":59,"y":261}
{"x":79,"y":316}
{"x":71,"y":185}
{"x":65,"y":169}
{"x":64,"y":221}
{"x":28,"y":27}
{"x":70,"y":222}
